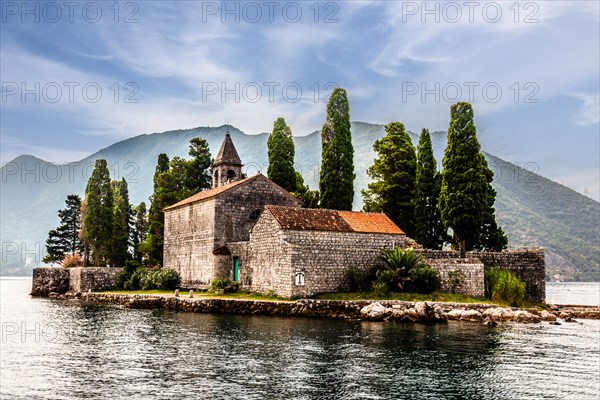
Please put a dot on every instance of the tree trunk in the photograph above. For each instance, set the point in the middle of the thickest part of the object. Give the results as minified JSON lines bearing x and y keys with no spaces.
{"x":463,"y":248}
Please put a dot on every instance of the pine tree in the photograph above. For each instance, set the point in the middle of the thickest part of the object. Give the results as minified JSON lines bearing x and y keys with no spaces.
{"x":429,"y":231}
{"x":393,"y":171}
{"x":65,"y":239}
{"x":99,"y":213}
{"x":199,"y":174}
{"x":122,"y":214}
{"x":55,"y":248}
{"x":281,"y":156}
{"x":466,"y":196}
{"x":139,"y":231}
{"x":336,"y":183}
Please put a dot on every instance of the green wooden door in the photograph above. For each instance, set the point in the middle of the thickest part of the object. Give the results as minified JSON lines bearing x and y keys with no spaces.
{"x":236,"y":269}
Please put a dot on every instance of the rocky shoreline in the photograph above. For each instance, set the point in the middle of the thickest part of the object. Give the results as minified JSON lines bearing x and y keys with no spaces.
{"x":372,"y":310}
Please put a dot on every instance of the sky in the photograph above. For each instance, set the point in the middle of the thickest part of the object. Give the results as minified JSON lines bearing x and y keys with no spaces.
{"x":79,"y":76}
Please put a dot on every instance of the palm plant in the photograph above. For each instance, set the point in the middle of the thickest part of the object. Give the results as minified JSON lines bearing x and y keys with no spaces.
{"x":398,"y":266}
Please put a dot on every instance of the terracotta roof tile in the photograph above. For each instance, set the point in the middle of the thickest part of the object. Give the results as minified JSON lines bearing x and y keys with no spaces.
{"x":311,"y":219}
{"x":370,"y":222}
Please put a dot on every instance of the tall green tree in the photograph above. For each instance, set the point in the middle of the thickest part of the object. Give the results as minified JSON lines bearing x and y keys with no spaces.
{"x":139,"y":231}
{"x":492,"y":237}
{"x":156,"y":217}
{"x":281,"y":151}
{"x":122,"y":220}
{"x":336,"y":184}
{"x":429,"y":231}
{"x":65,"y":238}
{"x":466,"y":196}
{"x":99,"y":213}
{"x":199,"y":171}
{"x":393,"y":171}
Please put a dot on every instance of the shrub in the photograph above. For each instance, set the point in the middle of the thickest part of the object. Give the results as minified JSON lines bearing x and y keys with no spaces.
{"x":223,"y":285}
{"x":160,"y":279}
{"x":135,"y":281}
{"x":130,"y":267}
{"x":424,"y":279}
{"x":504,"y":286}
{"x":456,"y":279}
{"x":358,"y":279}
{"x":380,"y":288}
{"x":72,"y":261}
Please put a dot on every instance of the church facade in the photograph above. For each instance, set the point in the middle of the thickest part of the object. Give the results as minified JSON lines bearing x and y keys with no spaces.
{"x":254,"y":232}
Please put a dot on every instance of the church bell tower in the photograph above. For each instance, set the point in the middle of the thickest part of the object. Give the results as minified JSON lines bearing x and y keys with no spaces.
{"x":227,"y":167}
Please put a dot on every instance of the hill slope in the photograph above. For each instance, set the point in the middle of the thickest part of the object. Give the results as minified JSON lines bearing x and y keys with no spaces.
{"x":533,"y":210}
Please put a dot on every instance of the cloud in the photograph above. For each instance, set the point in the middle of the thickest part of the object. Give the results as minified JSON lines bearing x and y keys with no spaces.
{"x":589,"y":114}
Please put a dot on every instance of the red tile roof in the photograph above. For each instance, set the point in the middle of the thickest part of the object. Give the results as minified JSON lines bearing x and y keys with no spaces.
{"x":310,"y":219}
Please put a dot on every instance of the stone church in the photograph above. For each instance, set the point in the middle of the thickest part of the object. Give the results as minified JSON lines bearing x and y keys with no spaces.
{"x":254,"y":232}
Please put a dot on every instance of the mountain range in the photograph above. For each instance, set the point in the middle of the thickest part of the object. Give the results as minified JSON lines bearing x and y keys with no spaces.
{"x":534,"y":211}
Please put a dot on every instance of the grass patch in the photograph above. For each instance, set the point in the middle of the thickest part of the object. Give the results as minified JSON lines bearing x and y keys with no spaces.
{"x":203,"y":295}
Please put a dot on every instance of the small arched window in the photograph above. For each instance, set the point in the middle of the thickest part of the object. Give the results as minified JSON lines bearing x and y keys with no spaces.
{"x":230,"y":174}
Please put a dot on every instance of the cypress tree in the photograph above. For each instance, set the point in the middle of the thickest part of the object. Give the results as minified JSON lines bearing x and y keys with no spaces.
{"x":99,"y":213}
{"x":121,"y":224}
{"x":466,"y":196}
{"x":281,"y":151}
{"x":156,"y":217}
{"x":336,"y":184}
{"x":393,"y":171}
{"x":65,"y":239}
{"x":139,"y":231}
{"x":429,"y":231}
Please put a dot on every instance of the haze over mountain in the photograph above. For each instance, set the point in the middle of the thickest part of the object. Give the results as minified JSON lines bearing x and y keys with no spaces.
{"x":534,"y":211}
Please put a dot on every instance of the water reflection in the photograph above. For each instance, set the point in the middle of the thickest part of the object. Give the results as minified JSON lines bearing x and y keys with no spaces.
{"x":110,"y":352}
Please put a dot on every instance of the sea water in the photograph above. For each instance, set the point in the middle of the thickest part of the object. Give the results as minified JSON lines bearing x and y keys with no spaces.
{"x":57,"y":349}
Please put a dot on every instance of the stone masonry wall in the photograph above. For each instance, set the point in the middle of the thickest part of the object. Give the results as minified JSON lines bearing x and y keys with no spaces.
{"x":234,"y":208}
{"x":527,"y":264}
{"x":189,"y":242}
{"x":63,"y":280}
{"x":49,"y":280}
{"x":472,"y":271}
{"x":269,"y":260}
{"x":324,"y":257}
{"x":94,"y":279}
{"x":194,"y":230}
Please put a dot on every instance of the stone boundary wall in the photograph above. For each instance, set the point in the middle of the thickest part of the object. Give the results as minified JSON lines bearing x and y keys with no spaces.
{"x":527,"y":264}
{"x":94,"y":279}
{"x":62,"y":280}
{"x":49,"y":280}
{"x":473,"y":275}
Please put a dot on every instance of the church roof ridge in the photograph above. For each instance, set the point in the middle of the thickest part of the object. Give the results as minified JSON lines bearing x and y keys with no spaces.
{"x":210,"y":193}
